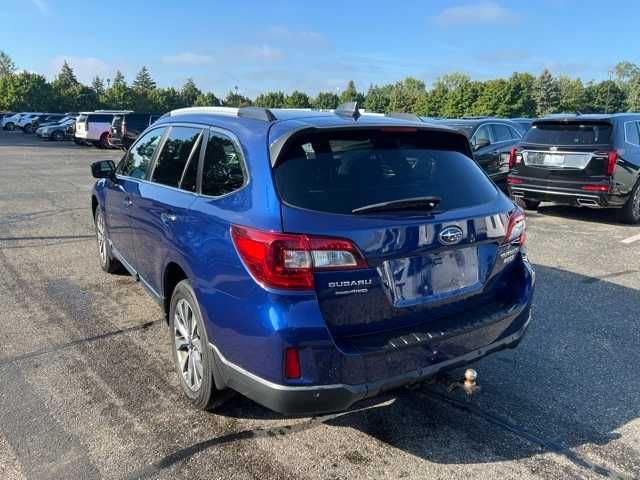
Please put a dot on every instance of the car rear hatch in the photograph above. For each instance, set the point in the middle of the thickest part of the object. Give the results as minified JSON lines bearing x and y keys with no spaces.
{"x":566,"y":153}
{"x":82,"y":125}
{"x":386,"y":267}
{"x":117,"y":126}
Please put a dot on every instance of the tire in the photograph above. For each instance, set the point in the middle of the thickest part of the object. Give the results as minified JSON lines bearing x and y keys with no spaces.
{"x":107,"y":262}
{"x":10,"y":126}
{"x":630,"y":213}
{"x":28,"y":128}
{"x":58,"y":136}
{"x":192,"y":356}
{"x":104,"y":141}
{"x":530,"y":204}
{"x":77,"y":141}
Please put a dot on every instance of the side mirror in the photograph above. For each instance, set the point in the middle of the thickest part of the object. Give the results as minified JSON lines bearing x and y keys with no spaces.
{"x":103,"y":169}
{"x":483,"y":142}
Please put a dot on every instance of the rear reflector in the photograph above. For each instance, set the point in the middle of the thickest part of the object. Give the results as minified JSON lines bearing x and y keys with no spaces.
{"x":513,"y":181}
{"x":292,"y":368}
{"x":516,"y":228}
{"x":612,"y":160}
{"x":287,"y":261}
{"x":595,"y":188}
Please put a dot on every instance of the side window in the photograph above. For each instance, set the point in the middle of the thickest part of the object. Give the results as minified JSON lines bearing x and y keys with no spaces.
{"x":175,"y":153}
{"x":515,"y":134}
{"x":482,"y":135}
{"x":501,"y":132}
{"x":222,"y":169}
{"x":631,"y":133}
{"x":136,"y":162}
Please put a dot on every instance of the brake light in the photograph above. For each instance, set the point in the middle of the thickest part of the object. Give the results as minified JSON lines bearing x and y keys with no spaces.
{"x":516,"y":228}
{"x":515,"y":158}
{"x":292,"y":364}
{"x":612,"y":160}
{"x":124,"y":129}
{"x":513,"y":181}
{"x":595,"y":188}
{"x":288,"y":261}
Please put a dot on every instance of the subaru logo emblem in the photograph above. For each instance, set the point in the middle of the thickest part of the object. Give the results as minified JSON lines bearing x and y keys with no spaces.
{"x":450,"y":235}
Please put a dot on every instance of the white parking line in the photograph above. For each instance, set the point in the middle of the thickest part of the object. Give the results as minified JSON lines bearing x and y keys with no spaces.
{"x":635,"y":238}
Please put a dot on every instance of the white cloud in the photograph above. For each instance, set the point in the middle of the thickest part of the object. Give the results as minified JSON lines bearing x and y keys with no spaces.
{"x":187,"y":58}
{"x":85,"y":68}
{"x":264,"y":53}
{"x":480,"y":13}
{"x":42,"y":6}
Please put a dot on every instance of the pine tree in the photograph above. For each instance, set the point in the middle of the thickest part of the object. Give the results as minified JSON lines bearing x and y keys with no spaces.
{"x":66,"y":78}
{"x":118,"y":95}
{"x":547,"y":94}
{"x":350,"y":94}
{"x":297,"y":100}
{"x":190,"y":92}
{"x":7,"y":67}
{"x":143,"y":82}
{"x":206,"y":100}
{"x":97,"y":84}
{"x":326,"y":100}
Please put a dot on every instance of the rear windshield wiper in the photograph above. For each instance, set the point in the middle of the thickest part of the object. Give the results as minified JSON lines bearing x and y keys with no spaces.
{"x":417,"y":204}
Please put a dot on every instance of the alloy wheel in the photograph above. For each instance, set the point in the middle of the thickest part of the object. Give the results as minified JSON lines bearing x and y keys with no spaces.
{"x":188,"y":345}
{"x":100,"y":235}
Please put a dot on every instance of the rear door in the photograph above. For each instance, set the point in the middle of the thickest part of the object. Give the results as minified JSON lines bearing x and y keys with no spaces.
{"x":423,"y":265}
{"x":160,"y":213}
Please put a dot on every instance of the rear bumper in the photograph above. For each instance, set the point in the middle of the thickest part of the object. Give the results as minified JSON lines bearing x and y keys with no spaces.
{"x":315,"y":399}
{"x":568,"y":194}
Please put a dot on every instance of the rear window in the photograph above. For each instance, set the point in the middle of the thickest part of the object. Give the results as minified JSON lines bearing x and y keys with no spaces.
{"x":573,"y":133}
{"x":117,"y":121}
{"x":339,"y":171}
{"x":100,"y":118}
{"x":81,"y":118}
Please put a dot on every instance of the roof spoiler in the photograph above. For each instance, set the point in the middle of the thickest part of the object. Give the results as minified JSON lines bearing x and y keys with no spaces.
{"x":348,"y":109}
{"x":404,"y":116}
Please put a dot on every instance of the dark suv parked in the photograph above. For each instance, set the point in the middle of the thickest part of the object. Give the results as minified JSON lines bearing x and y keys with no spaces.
{"x":126,"y":127}
{"x":491,"y":141}
{"x":583,"y":160}
{"x":311,"y":259}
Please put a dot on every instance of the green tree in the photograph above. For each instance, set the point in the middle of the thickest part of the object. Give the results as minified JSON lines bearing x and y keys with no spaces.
{"x":404,"y":95}
{"x":436,"y":99}
{"x":7,"y":67}
{"x":350,"y":94}
{"x":605,"y":97}
{"x":25,"y":91}
{"x":143,"y":82}
{"x":190,"y":92}
{"x":270,"y":100}
{"x":162,"y":100}
{"x":234,"y":99}
{"x":462,"y":94}
{"x":492,"y":98}
{"x":297,"y":100}
{"x":546,"y":94}
{"x":66,"y":78}
{"x":206,"y":100}
{"x":326,"y":100}
{"x":97,"y":84}
{"x":118,"y":95}
{"x":625,"y":72}
{"x":633,"y":94}
{"x":378,"y":98}
{"x":572,"y":95}
{"x":520,"y":100}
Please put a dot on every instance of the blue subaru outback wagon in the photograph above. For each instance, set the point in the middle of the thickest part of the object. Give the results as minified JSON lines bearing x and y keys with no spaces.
{"x":312,"y":259}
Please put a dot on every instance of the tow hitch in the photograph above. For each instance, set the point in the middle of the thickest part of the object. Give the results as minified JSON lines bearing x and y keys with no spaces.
{"x":468,"y":384}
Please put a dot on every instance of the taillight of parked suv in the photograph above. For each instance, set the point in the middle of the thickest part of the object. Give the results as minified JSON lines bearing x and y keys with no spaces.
{"x":287,"y":261}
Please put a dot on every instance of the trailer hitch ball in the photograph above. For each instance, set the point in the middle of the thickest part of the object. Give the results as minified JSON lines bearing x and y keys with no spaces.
{"x":470,"y":376}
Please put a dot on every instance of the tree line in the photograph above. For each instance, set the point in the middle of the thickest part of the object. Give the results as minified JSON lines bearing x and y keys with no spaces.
{"x":452,"y":95}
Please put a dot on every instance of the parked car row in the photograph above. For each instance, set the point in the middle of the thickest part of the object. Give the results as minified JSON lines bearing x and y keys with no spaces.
{"x":111,"y":129}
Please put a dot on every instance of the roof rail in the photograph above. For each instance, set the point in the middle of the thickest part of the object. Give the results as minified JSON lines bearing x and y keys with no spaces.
{"x":348,"y":109}
{"x":404,"y":116}
{"x":195,"y":110}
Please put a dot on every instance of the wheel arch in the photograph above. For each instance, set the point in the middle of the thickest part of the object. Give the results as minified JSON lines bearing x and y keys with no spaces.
{"x":173,"y":274}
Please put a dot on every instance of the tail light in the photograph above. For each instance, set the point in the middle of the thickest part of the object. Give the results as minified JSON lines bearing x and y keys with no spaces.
{"x":516,"y":228}
{"x":124,"y":128}
{"x":513,"y":181}
{"x":612,"y":160}
{"x":292,"y":364}
{"x":595,"y":188}
{"x":515,"y":158}
{"x":288,"y":261}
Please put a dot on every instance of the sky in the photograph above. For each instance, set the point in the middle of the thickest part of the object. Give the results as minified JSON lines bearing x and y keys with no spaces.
{"x":316,"y":46}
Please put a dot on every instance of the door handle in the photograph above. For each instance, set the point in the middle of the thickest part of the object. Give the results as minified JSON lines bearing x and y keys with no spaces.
{"x":128,"y":202}
{"x":168,"y":218}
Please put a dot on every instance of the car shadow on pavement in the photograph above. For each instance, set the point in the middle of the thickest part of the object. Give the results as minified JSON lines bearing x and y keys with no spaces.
{"x":572,"y":382}
{"x":582,"y":214}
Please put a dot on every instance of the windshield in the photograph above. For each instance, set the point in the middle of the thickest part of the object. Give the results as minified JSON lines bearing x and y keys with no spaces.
{"x":463,"y":127}
{"x":343,"y":170}
{"x":572,"y":133}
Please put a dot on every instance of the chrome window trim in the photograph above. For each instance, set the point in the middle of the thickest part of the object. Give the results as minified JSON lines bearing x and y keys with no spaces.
{"x":206,"y":129}
{"x":626,"y":140}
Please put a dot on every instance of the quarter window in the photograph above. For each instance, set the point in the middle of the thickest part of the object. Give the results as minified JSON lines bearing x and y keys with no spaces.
{"x":222,"y":171}
{"x":482,"y":135}
{"x":174,"y":156}
{"x":515,"y":134}
{"x":631,"y":133}
{"x":501,"y":132}
{"x":136,"y":162}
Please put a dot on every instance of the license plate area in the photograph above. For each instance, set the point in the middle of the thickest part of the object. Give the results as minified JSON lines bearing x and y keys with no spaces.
{"x":431,"y":277}
{"x":556,"y":160}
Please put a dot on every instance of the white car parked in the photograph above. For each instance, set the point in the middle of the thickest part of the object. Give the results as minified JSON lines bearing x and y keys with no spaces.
{"x":26,"y":119}
{"x":94,"y":127}
{"x":9,"y":123}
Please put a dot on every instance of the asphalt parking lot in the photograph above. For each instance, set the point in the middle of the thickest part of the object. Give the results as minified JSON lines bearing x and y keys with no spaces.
{"x":88,"y":390}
